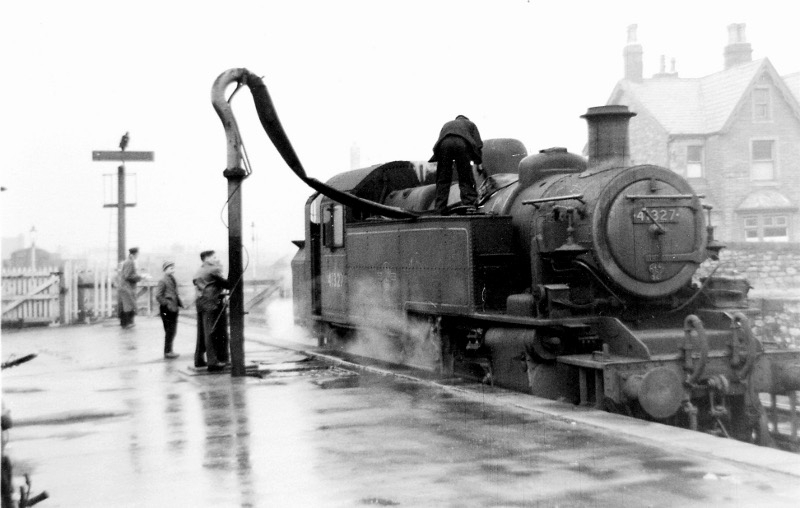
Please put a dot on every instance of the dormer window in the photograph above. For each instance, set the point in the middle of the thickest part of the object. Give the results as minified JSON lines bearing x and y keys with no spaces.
{"x":762,"y":108}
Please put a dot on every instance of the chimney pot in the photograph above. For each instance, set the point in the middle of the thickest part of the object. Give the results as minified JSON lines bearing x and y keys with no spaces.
{"x":736,"y":33}
{"x":632,"y":33}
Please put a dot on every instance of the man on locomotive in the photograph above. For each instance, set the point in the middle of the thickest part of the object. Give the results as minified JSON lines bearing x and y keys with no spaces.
{"x":212,"y":322}
{"x":459,"y":142}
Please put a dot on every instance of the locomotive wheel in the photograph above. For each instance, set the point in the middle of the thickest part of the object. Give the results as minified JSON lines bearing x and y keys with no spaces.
{"x":445,"y":361}
{"x":428,"y":345}
{"x":333,"y":337}
{"x":552,"y":381}
{"x":545,"y":348}
{"x":317,"y":330}
{"x":745,"y":421}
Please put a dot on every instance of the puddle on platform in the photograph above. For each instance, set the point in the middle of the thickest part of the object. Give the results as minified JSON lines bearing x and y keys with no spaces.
{"x":295,"y":365}
{"x":377,"y":501}
{"x":304,"y":365}
{"x":22,"y":390}
{"x":349,"y":380}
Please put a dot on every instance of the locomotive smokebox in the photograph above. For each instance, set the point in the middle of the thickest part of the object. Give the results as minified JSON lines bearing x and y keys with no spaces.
{"x":608,"y":136}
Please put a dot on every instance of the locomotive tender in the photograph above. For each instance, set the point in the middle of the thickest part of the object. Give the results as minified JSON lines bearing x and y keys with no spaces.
{"x":575,"y":283}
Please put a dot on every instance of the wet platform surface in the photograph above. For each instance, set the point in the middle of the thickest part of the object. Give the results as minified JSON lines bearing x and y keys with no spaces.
{"x":101,"y":419}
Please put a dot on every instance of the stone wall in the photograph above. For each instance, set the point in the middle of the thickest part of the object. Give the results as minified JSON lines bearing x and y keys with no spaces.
{"x":773,"y":271}
{"x":769,"y":267}
{"x":779,"y":322}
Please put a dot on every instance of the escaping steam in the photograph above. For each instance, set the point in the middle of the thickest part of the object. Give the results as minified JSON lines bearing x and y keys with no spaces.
{"x":385,"y":332}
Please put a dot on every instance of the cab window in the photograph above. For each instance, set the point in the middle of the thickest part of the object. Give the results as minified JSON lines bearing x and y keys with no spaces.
{"x":333,"y":226}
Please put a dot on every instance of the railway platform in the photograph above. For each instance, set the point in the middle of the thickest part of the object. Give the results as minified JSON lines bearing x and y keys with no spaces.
{"x":101,"y":419}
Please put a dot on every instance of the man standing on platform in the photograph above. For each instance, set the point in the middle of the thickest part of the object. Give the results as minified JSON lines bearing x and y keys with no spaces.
{"x":169,"y":302}
{"x":212,"y":320}
{"x":128,"y":278}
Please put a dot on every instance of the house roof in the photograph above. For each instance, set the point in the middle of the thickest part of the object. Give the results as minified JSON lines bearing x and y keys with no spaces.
{"x":793,"y":83}
{"x":702,"y":105}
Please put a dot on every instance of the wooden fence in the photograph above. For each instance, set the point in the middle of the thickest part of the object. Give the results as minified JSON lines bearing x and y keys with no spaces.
{"x":66,"y":295}
{"x":95,"y":293}
{"x":31,"y":296}
{"x":75,"y":294}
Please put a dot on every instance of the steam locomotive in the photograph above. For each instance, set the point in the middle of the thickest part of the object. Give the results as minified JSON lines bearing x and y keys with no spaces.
{"x":574,"y":283}
{"x":577,"y":280}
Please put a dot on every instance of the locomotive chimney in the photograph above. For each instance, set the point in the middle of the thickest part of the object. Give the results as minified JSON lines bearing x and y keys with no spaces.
{"x":608,"y":136}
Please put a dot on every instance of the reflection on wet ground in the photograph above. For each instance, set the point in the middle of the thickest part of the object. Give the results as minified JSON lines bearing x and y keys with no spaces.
{"x":102,"y":420}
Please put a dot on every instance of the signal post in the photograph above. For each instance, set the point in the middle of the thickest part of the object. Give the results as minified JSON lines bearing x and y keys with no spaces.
{"x":120,"y":205}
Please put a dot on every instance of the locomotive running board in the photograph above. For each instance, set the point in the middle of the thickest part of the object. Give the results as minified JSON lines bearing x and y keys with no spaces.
{"x":575,"y":324}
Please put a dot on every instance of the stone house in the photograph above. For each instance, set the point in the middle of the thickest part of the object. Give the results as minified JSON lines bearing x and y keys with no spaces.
{"x":735,"y":134}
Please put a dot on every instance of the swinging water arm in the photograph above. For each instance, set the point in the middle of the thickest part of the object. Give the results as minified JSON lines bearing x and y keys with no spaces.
{"x":272,"y":126}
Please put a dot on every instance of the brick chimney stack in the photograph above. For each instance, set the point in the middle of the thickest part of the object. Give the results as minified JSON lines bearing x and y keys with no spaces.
{"x":632,"y":54}
{"x":738,"y":50}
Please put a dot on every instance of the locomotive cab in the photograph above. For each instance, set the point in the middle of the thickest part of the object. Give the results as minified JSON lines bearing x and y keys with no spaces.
{"x":317,"y":276}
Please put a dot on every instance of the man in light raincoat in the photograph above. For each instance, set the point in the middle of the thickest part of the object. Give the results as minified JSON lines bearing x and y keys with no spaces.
{"x":128,"y":278}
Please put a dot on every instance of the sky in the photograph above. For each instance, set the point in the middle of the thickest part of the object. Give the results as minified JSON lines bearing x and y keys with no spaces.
{"x":384,"y":75}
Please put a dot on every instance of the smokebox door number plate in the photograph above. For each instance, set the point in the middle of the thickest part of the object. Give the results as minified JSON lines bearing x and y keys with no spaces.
{"x":661,"y":214}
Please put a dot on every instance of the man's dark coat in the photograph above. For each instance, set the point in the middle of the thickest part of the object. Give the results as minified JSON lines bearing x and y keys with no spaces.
{"x":167,"y":293}
{"x":463,"y":128}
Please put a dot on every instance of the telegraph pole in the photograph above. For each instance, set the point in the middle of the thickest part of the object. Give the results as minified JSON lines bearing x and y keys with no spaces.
{"x":121,"y":204}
